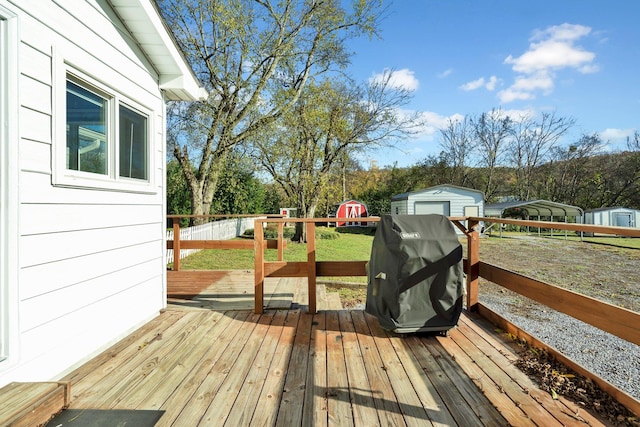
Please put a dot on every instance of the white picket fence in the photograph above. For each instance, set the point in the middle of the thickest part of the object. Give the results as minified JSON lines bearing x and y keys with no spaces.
{"x":217,"y":230}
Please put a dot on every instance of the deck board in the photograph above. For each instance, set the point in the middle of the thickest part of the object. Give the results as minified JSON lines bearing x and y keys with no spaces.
{"x":205,"y":366}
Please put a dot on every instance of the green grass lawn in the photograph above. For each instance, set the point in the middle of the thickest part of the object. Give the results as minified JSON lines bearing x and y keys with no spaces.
{"x":347,"y":247}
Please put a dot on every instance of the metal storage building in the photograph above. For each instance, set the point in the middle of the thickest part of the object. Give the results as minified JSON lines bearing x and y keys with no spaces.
{"x":613,"y":216}
{"x":449,"y":200}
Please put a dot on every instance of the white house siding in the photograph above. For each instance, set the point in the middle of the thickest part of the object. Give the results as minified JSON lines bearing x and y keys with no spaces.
{"x":91,"y":263}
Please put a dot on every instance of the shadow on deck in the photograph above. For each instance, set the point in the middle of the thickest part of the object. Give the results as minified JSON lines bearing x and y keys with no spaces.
{"x":291,"y":368}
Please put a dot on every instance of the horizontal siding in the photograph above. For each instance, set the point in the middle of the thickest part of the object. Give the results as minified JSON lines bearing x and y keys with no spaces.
{"x":56,"y":218}
{"x":35,"y":126}
{"x":59,"y":303}
{"x":458,"y":200}
{"x":35,"y":95}
{"x":46,"y":248}
{"x":31,"y":155}
{"x":92,"y":43}
{"x":46,"y":278}
{"x":35,"y":63}
{"x":399,"y":208}
{"x":46,"y":350}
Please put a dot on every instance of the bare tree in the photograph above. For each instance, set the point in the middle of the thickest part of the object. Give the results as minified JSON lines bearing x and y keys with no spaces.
{"x":633,"y":143}
{"x":491,"y":132}
{"x":458,"y":145}
{"x":564,"y":177}
{"x":255,"y":57}
{"x":531,"y":144}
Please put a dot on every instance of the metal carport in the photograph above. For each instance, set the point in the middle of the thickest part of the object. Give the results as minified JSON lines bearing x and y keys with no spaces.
{"x":535,"y":208}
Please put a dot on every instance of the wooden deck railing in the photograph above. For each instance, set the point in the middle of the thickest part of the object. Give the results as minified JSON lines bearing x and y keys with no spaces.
{"x":607,"y":317}
{"x":610,"y":318}
{"x":177,"y":244}
{"x":311,"y":269}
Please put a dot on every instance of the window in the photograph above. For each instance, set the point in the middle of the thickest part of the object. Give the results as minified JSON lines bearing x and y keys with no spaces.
{"x":86,"y":130}
{"x":107,"y":138}
{"x":133,"y":144}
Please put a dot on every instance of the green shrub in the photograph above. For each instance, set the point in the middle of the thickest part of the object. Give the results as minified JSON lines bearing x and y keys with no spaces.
{"x":323,"y":233}
{"x":272,"y":233}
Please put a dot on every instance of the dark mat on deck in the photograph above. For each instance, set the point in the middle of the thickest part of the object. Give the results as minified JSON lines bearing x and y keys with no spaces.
{"x":105,"y":418}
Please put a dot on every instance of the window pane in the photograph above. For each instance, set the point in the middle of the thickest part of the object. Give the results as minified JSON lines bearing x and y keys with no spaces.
{"x":133,"y":144}
{"x":86,"y":130}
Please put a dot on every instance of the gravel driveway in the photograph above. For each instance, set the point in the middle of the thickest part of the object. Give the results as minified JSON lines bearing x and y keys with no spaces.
{"x":605,"y":272}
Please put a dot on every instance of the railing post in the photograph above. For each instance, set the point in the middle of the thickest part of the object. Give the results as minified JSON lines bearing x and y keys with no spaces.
{"x":473,"y":265}
{"x":258,"y":249}
{"x":311,"y":265}
{"x":280,"y":241}
{"x":176,"y":244}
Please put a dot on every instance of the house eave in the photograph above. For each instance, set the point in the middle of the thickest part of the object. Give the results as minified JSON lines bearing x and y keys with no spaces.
{"x":146,"y":25}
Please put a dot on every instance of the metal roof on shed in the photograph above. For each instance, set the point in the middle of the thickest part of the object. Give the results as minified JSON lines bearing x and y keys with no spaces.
{"x":405,"y":196}
{"x":533,"y":208}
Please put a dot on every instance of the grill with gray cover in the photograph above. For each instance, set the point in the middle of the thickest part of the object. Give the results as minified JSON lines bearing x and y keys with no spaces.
{"x":415,"y":274}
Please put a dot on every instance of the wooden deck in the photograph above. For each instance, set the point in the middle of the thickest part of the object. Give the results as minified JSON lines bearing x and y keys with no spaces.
{"x":209,"y":367}
{"x":233,"y":290}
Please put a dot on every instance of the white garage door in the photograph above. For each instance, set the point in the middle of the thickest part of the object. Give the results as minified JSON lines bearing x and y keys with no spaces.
{"x":422,"y":208}
{"x":622,"y":219}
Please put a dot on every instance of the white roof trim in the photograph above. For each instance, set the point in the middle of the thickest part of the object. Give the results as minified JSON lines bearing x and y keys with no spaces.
{"x":148,"y":28}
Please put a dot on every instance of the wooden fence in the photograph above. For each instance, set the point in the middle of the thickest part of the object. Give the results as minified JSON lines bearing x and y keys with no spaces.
{"x":221,"y":229}
{"x":177,"y":245}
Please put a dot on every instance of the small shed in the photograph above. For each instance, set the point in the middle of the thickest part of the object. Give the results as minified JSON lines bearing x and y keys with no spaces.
{"x":614,"y":216}
{"x":449,"y":200}
{"x":351,"y":209}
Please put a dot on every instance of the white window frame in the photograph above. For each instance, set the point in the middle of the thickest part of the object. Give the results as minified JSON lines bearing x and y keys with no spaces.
{"x":64,"y":177}
{"x":9,"y":227}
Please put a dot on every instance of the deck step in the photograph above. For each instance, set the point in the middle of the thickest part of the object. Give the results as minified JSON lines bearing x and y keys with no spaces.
{"x":32,"y":404}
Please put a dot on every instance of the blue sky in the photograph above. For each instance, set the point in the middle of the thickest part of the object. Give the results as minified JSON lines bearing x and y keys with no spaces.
{"x":579,"y":58}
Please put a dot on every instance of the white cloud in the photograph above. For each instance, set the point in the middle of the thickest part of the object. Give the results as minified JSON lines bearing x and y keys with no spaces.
{"x":433,"y":122}
{"x":492,"y":83}
{"x":481,"y":82}
{"x":445,"y":73}
{"x":551,"y":54}
{"x":473,"y":85}
{"x":616,"y":135}
{"x":550,"y":50}
{"x":401,"y":79}
{"x":568,"y":32}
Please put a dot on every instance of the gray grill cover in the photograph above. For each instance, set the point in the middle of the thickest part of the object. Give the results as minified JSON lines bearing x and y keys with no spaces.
{"x":415,"y":274}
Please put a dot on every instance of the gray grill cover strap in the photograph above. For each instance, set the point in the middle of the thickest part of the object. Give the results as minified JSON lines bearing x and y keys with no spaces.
{"x":424,"y":273}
